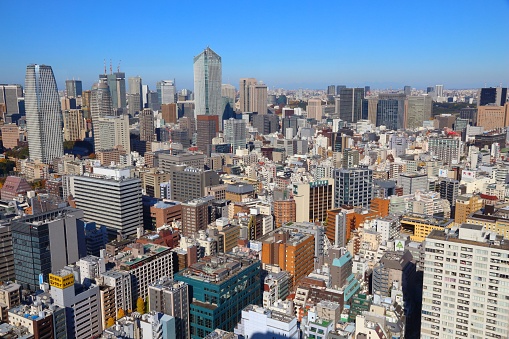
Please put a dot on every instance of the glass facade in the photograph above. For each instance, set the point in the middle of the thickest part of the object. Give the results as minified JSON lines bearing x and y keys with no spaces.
{"x":220,"y":304}
{"x":207,"y":84}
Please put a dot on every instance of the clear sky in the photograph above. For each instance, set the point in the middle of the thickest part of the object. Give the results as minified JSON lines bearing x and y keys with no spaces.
{"x":289,"y":44}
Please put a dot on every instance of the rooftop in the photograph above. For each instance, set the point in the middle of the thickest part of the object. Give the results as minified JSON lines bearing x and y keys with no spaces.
{"x":471,"y":235}
{"x":217,"y":269}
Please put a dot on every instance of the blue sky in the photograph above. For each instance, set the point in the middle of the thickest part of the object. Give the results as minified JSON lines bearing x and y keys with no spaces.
{"x":290,"y":44}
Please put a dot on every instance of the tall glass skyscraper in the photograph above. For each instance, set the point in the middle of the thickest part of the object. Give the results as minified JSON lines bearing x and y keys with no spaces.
{"x":116,"y":84}
{"x":166,"y":91}
{"x":207,"y":84}
{"x":100,"y":107}
{"x":44,"y":119}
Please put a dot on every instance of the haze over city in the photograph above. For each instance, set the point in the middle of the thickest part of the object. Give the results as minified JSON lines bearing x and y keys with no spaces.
{"x":286,"y":44}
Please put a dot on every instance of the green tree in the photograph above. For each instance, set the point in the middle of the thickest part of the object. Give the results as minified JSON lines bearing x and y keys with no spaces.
{"x":140,"y":305}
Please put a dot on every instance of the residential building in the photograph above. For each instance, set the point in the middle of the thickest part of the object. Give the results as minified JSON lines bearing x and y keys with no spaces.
{"x":290,"y":250}
{"x":145,"y":263}
{"x":74,"y":125}
{"x":171,"y":297}
{"x":465,"y":301}
{"x":195,"y":216}
{"x":112,"y":131}
{"x":445,"y":149}
{"x":43,"y":115}
{"x":284,"y":211}
{"x":466,"y":204}
{"x":10,"y":135}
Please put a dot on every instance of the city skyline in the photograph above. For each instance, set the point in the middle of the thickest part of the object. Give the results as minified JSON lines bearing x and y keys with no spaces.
{"x":446,"y":43}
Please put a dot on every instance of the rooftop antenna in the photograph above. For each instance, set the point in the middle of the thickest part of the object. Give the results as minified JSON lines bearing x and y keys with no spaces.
{"x":118,"y":67}
{"x":104,"y":66}
{"x":111,"y":68}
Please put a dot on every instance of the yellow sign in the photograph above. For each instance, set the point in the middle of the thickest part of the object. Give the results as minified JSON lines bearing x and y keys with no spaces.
{"x":61,"y":281}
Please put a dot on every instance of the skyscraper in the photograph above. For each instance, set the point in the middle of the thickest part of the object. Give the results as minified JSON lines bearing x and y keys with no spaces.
{"x":258,"y":98}
{"x":331,"y":90}
{"x":492,"y":96}
{"x":419,"y":109}
{"x":116,"y":84}
{"x":407,"y":90}
{"x":44,"y":119}
{"x":46,"y":242}
{"x":100,"y":107}
{"x":207,"y":84}
{"x":314,"y":109}
{"x":112,"y":131}
{"x":135,"y":92}
{"x":439,"y":90}
{"x":147,"y":125}
{"x":166,"y":91}
{"x":207,"y":127}
{"x":350,"y":104}
{"x":245,"y":94}
{"x":391,"y":111}
{"x":228,"y":91}
{"x":111,"y":201}
{"x":235,"y":133}
{"x":9,"y":95}
{"x":464,"y":280}
{"x":73,"y":88}
{"x":74,"y":125}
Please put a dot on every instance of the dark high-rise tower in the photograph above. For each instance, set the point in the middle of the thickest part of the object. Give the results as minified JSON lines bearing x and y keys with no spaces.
{"x":350,"y":104}
{"x":44,"y":119}
{"x":73,"y":88}
{"x":207,"y":127}
{"x":147,"y":125}
{"x":493,"y":96}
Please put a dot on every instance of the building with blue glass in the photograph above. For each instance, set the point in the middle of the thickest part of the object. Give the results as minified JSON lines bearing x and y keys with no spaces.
{"x":220,"y":286}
